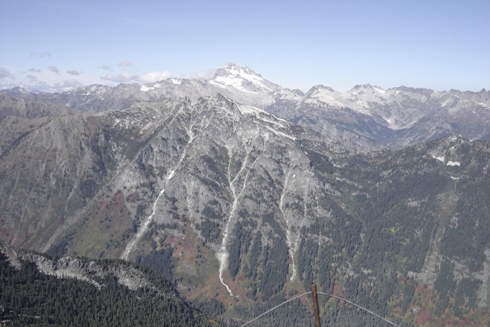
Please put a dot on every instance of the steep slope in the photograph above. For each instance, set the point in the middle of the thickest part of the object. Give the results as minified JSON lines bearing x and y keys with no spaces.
{"x":246,"y":209}
{"x":39,"y":290}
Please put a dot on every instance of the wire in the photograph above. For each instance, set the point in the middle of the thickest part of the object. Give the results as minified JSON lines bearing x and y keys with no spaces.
{"x":277,"y":306}
{"x":360,"y":307}
{"x":322,"y":293}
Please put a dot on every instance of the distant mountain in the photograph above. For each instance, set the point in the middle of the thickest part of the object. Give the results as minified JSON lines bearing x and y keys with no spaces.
{"x":233,"y":81}
{"x":28,"y":108}
{"x":244,"y":209}
{"x":368,"y":116}
{"x":242,"y":79}
{"x":365,"y":117}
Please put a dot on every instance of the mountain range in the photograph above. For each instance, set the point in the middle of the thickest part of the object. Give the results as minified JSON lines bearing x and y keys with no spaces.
{"x":364,"y":117}
{"x":244,"y":192}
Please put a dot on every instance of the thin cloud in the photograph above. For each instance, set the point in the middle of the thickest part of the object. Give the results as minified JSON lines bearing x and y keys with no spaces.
{"x":67,"y":85}
{"x":30,"y":80}
{"x":126,"y":77}
{"x":7,"y":85}
{"x":34,"y":84}
{"x":123,"y":77}
{"x":126,"y":63}
{"x":107,"y":67}
{"x":4,"y":74}
{"x":54,"y":69}
{"x":6,"y":79}
{"x":41,"y":54}
{"x":152,"y":77}
{"x":73,"y":72}
{"x":203,"y":75}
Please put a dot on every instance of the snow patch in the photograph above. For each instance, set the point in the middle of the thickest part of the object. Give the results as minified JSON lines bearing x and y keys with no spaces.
{"x":278,"y":133}
{"x":145,"y":88}
{"x":224,"y":82}
{"x":259,"y":114}
{"x":241,"y":79}
{"x":245,"y":109}
{"x":441,"y":159}
{"x":453,"y":163}
{"x":324,"y":98}
{"x":448,"y":102}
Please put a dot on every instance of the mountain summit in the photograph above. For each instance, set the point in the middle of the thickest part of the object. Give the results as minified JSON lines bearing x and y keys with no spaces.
{"x":242,"y":78}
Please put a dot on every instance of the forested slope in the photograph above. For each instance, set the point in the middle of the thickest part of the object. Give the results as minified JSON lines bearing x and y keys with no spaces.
{"x":30,"y":297}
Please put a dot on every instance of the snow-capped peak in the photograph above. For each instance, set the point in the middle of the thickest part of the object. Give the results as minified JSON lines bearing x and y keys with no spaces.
{"x":242,"y":78}
{"x":325,"y":95}
{"x":237,"y":70}
{"x":367,"y":88}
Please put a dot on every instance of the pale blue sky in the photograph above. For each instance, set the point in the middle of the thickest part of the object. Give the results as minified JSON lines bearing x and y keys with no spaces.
{"x":55,"y":45}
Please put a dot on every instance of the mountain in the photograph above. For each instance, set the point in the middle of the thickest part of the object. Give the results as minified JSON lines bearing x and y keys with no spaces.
{"x":365,"y":117}
{"x":392,"y":118}
{"x":243,"y":79}
{"x":244,"y":209}
{"x":233,"y":81}
{"x":39,"y":290}
{"x":12,"y":106}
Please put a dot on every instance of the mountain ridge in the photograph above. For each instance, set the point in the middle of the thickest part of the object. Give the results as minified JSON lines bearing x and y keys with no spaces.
{"x":111,"y":286}
{"x":246,"y":208}
{"x":369,"y":115}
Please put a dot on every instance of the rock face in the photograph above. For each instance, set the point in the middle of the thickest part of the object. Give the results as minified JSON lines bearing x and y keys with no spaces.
{"x":86,"y":270}
{"x":38,"y":289}
{"x":246,"y":208}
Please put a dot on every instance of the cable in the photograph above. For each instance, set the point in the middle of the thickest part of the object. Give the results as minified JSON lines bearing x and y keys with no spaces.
{"x":277,"y":306}
{"x":360,"y":307}
{"x":327,"y":294}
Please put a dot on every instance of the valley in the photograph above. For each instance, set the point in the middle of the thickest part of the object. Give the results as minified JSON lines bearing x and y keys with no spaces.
{"x":242,"y":193}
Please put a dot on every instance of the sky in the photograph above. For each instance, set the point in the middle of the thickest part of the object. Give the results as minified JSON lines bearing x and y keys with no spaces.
{"x":57,"y":45}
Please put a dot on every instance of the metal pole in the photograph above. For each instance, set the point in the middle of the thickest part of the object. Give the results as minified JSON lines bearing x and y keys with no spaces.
{"x":315,"y":305}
